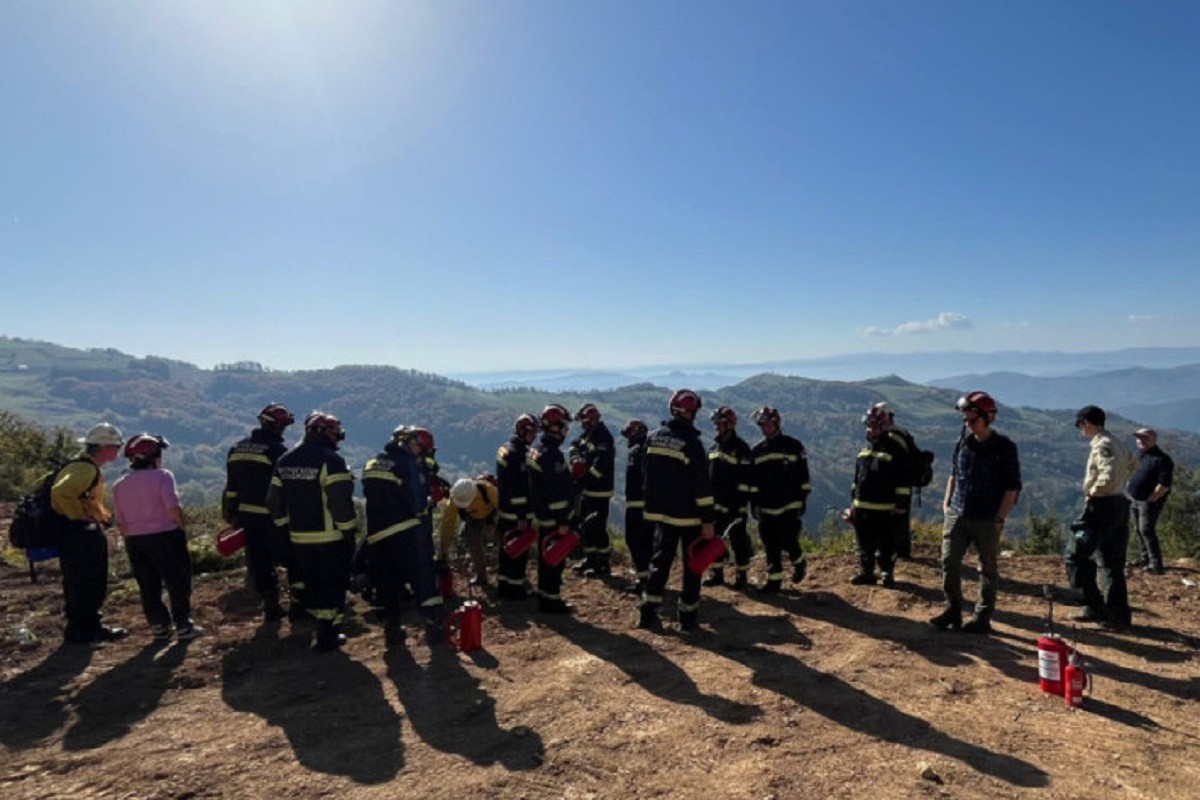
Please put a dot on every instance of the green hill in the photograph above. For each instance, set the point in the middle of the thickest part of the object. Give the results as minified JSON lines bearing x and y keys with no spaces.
{"x":202,"y":412}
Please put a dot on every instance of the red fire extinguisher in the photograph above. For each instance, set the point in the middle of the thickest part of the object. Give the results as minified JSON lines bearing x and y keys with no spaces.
{"x":1076,"y":681}
{"x":702,"y":554}
{"x":464,"y":628}
{"x":517,"y":541}
{"x":1053,"y":652}
{"x":556,"y":547}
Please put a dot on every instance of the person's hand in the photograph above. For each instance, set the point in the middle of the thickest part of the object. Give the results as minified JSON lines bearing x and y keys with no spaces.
{"x":707,"y":531}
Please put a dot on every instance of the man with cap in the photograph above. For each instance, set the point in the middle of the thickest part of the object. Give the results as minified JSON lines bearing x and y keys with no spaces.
{"x":77,"y":494}
{"x":1147,"y":490}
{"x":1101,"y":534}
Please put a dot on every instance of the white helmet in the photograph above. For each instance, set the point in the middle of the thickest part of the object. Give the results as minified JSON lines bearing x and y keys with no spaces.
{"x":104,"y":434}
{"x":463,"y":492}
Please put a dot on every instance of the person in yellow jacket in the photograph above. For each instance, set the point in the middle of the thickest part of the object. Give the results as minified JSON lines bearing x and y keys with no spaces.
{"x":476,"y":503}
{"x":77,"y":495}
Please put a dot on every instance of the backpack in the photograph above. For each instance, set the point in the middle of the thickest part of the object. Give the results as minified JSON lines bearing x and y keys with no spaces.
{"x":920,"y":461}
{"x":35,"y":523}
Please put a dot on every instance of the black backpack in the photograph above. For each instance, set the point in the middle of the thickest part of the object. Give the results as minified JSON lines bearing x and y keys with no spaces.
{"x":35,"y":523}
{"x":920,"y":461}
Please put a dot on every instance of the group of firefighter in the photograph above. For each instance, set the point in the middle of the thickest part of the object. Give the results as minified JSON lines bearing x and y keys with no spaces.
{"x":296,"y":509}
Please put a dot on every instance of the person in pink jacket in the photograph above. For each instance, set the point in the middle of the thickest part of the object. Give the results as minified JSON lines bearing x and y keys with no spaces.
{"x":150,"y":518}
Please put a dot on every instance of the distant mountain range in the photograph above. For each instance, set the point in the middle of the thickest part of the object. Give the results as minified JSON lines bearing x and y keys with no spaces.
{"x":203,"y":411}
{"x":915,"y":367}
{"x":1169,"y":398}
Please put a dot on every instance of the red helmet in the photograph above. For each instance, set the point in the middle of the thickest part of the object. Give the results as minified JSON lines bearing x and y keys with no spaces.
{"x":414,"y":433}
{"x":274,"y":415}
{"x":979,"y":402}
{"x":587,"y":413}
{"x":487,"y":477}
{"x":326,"y":424}
{"x":633,"y":429}
{"x":724,"y":414}
{"x":526,"y":424}
{"x":554,"y":414}
{"x":145,"y":447}
{"x":684,"y":403}
{"x":767,"y":414}
{"x":877,"y":415}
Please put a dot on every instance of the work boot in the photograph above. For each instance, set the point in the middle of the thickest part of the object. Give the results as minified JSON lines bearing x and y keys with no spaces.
{"x":799,"y":570}
{"x":864,"y":579}
{"x":637,"y":587}
{"x":272,"y":610}
{"x":980,"y":623}
{"x":109,"y":634}
{"x":740,"y":582}
{"x":889,"y":580}
{"x":296,"y":613}
{"x":687,"y":621}
{"x":1088,"y":615}
{"x":648,"y":618}
{"x":950,"y":619}
{"x":1153,"y":569}
{"x":715,"y":578}
{"x":582,"y":566}
{"x":771,"y":587}
{"x":328,"y":638}
{"x":554,"y":605}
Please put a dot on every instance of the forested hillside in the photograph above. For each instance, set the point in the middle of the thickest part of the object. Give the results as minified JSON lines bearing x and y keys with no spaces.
{"x":203,"y":411}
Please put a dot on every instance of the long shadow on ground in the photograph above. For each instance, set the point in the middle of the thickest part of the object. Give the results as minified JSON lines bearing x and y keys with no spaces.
{"x":109,"y":706}
{"x":332,"y":709}
{"x":853,"y":708}
{"x":651,"y":670}
{"x":33,"y":703}
{"x":451,"y":712}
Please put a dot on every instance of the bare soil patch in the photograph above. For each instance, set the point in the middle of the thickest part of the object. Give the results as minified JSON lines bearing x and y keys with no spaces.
{"x":831,"y":691}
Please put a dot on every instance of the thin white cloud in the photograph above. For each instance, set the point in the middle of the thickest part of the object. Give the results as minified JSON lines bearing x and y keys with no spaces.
{"x":944,"y":321}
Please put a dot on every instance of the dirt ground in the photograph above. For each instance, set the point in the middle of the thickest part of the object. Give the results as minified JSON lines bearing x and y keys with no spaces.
{"x":832,"y":691}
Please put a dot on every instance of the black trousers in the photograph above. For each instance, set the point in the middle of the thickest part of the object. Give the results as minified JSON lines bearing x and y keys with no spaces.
{"x":409,"y":559}
{"x":1145,"y":517}
{"x":549,"y":583}
{"x":1100,"y":548}
{"x":639,"y":538}
{"x":593,"y":528}
{"x":875,"y":538}
{"x":733,"y":526}
{"x":83,"y":557}
{"x":325,"y":570}
{"x":780,"y":534}
{"x":160,"y":559}
{"x":902,"y":533}
{"x":668,"y":541}
{"x":267,"y":546}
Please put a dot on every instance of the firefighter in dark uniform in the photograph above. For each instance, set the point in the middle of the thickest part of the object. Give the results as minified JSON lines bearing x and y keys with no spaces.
{"x":399,"y":524}
{"x":551,"y":492}
{"x":248,"y":469}
{"x":593,"y":465}
{"x":779,"y":492}
{"x":679,"y":503}
{"x":729,"y":466}
{"x":512,"y":476}
{"x":77,"y":494}
{"x":880,"y":473}
{"x":639,"y":535}
{"x":908,"y":450}
{"x":311,"y":494}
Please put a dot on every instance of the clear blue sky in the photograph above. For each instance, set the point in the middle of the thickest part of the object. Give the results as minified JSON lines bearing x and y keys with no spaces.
{"x":456,"y":186}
